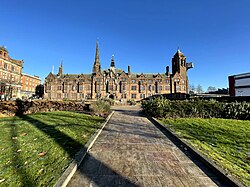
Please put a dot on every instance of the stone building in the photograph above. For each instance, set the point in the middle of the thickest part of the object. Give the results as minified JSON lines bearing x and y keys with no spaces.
{"x":29,"y":83}
{"x":10,"y":75}
{"x":116,"y":83}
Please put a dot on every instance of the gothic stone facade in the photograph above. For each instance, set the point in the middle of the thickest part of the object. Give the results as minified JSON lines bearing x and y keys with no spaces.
{"x":117,"y":84}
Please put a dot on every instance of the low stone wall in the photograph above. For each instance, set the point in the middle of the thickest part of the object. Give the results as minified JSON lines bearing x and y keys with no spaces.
{"x":12,"y":108}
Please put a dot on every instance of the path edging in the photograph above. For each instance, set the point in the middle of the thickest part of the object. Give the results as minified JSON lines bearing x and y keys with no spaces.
{"x":69,"y":172}
{"x":186,"y":146}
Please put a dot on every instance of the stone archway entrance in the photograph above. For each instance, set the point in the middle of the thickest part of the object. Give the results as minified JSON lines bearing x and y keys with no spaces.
{"x":111,"y":96}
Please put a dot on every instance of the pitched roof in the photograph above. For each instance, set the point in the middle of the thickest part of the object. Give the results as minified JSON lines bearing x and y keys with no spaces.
{"x":147,"y":75}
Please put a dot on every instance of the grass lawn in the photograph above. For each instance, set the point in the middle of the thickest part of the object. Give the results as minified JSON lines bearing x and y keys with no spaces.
{"x":225,"y":141}
{"x":36,"y":149}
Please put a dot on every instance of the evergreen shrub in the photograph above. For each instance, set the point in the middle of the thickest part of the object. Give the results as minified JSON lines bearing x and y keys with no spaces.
{"x":198,"y":108}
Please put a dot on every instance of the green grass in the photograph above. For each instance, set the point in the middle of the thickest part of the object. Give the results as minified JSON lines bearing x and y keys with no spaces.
{"x":57,"y":135}
{"x":225,"y":141}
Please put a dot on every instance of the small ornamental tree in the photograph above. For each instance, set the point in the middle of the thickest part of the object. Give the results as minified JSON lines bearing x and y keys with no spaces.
{"x":39,"y":90}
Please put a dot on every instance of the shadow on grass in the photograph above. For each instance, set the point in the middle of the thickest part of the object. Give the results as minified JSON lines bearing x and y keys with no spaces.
{"x":210,"y":134}
{"x":66,"y":115}
{"x":69,"y":145}
{"x":66,"y":119}
{"x":62,"y":139}
{"x":17,"y":162}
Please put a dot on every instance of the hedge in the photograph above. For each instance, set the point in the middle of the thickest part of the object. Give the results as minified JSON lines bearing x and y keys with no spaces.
{"x":164,"y":108}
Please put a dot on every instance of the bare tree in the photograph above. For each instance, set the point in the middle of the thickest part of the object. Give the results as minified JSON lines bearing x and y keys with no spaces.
{"x":192,"y":89}
{"x":199,"y":89}
{"x":211,"y":89}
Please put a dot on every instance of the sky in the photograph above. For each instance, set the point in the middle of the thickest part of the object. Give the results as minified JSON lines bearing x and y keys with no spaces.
{"x":144,"y":34}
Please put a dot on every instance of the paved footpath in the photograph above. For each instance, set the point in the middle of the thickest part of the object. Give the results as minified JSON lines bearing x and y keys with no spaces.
{"x":131,"y":151}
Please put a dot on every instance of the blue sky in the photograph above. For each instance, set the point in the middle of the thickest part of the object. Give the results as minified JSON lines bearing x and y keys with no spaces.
{"x":144,"y":34}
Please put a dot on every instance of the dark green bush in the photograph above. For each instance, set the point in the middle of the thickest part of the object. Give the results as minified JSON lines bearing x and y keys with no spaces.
{"x":164,"y":108}
{"x":237,"y":110}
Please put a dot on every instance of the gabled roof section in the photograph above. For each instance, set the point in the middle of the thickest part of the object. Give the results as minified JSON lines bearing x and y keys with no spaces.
{"x":147,"y":75}
{"x":50,"y":76}
{"x":117,"y":70}
{"x":81,"y":76}
{"x":123,"y":74}
{"x":141,"y":76}
{"x":99,"y":74}
{"x":158,"y":76}
{"x":76,"y":75}
{"x":177,"y":75}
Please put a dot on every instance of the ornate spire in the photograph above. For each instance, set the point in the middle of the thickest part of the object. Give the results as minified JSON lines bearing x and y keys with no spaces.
{"x":112,"y":61}
{"x":97,"y":65}
{"x":60,"y":72}
{"x":97,"y":59}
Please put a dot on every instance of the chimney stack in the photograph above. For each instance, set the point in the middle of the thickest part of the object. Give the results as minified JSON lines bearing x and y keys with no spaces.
{"x":129,"y":70}
{"x":167,"y":71}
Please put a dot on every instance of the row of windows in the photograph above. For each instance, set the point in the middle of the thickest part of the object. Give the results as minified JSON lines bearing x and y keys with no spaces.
{"x":74,"y":81}
{"x":73,"y":88}
{"x":28,"y":88}
{"x":87,"y":96}
{"x":31,"y":80}
{"x":73,"y":96}
{"x":81,"y":87}
{"x":14,"y":78}
{"x":83,"y":80}
{"x":150,"y":81}
{"x":142,"y":96}
{"x":8,"y":76}
{"x":31,"y":84}
{"x":10,"y":67}
{"x":152,"y":88}
{"x":111,"y":87}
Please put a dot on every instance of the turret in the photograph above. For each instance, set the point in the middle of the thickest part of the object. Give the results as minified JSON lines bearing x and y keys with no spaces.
{"x":179,"y":64}
{"x":112,"y":64}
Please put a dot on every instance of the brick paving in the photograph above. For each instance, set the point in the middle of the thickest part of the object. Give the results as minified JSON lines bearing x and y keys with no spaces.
{"x":131,"y":151}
